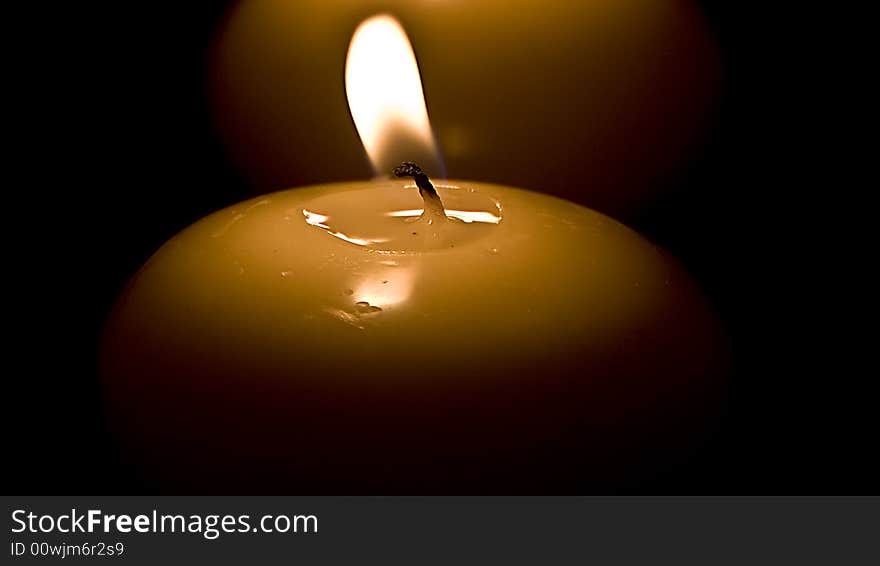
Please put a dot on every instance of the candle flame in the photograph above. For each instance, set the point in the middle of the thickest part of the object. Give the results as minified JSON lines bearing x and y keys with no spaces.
{"x":385,"y":97}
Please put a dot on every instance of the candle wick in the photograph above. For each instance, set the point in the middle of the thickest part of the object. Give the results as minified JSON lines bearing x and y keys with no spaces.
{"x":433,"y":205}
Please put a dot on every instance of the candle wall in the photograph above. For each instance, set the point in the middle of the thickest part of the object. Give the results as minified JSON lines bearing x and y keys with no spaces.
{"x":596,"y":101}
{"x":302,"y":342}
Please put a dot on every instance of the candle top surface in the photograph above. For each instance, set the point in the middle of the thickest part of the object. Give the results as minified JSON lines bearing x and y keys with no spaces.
{"x":395,"y":220}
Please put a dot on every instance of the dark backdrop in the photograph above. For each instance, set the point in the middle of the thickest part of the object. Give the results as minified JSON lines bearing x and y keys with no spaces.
{"x":120,"y":155}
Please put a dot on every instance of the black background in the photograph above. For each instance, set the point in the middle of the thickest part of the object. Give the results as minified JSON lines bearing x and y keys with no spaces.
{"x":118,"y":154}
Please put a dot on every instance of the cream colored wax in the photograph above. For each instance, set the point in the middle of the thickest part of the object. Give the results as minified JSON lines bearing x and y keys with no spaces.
{"x":329,"y":338}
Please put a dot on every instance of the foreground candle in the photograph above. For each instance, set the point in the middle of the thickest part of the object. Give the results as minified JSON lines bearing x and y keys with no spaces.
{"x":337,"y":337}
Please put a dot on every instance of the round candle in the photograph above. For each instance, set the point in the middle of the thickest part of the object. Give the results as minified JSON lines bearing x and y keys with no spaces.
{"x":616,"y":92}
{"x":338,"y":337}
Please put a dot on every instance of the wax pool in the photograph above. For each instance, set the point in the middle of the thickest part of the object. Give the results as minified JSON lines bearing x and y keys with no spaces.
{"x":329,"y":338}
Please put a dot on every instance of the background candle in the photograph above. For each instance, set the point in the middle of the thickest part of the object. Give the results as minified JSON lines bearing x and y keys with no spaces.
{"x":613,"y":92}
{"x":323,"y":338}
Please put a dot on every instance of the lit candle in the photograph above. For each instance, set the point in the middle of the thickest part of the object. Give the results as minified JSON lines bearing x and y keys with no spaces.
{"x":406,"y":335}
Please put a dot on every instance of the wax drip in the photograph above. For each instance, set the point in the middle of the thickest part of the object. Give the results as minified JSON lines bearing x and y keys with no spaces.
{"x":433,"y":205}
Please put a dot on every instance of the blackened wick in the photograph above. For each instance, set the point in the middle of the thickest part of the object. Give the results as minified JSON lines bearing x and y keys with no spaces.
{"x":433,"y":204}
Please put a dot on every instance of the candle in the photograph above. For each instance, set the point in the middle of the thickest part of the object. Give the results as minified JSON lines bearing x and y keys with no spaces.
{"x":616,"y":92}
{"x":407,"y":335}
